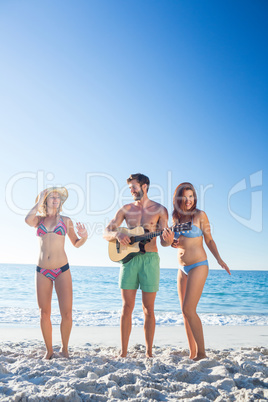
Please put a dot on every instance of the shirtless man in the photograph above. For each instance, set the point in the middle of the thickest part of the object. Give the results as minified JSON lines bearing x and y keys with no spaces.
{"x":142,"y":270}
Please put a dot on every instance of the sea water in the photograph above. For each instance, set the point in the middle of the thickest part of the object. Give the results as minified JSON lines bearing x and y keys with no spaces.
{"x":239,"y":299}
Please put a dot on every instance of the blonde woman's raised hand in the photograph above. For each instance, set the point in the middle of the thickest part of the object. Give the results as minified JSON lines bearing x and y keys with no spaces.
{"x":81,"y":230}
{"x":42,"y":197}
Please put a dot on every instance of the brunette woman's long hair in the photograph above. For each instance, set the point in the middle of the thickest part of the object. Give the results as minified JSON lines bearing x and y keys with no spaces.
{"x":179,"y":207}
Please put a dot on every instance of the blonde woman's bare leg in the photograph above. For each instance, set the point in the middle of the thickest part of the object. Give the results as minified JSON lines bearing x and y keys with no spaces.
{"x":44,"y":287}
{"x":63,"y":286}
{"x":195,"y":283}
{"x":182,"y":283}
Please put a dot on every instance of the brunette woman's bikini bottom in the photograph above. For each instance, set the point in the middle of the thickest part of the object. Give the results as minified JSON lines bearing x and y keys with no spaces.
{"x":187,"y":268}
{"x":52,"y":274}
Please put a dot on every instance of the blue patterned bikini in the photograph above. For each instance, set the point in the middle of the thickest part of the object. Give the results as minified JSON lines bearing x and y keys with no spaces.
{"x":194,"y":232}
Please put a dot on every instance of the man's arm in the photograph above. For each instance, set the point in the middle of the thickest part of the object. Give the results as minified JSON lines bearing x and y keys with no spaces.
{"x":167,"y":236}
{"x":111,"y":232}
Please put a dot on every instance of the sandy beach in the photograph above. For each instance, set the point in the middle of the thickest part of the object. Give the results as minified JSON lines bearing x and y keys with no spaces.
{"x":235,"y":370}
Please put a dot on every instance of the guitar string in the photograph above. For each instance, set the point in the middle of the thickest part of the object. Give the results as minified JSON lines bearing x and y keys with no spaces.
{"x":154,"y":234}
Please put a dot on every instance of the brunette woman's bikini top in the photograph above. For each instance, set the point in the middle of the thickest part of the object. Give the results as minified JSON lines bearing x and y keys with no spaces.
{"x":59,"y":229}
{"x":194,"y":232}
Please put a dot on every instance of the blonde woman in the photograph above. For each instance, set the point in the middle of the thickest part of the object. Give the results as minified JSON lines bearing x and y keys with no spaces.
{"x":193,"y":262}
{"x":53,"y":267}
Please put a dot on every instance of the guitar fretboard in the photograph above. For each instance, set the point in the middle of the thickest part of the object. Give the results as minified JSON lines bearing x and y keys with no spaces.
{"x":177,"y":228}
{"x":147,"y":236}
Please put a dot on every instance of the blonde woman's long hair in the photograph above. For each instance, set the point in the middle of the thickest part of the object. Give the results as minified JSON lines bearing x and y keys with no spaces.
{"x":43,"y":208}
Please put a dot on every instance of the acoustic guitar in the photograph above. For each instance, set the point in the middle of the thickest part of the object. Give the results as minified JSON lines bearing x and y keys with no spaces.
{"x":138,"y":238}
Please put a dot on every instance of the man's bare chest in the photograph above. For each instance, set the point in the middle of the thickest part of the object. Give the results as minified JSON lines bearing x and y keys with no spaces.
{"x":146,"y":220}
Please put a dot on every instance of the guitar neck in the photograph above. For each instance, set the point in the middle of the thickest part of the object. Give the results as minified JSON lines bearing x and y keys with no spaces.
{"x":147,"y":236}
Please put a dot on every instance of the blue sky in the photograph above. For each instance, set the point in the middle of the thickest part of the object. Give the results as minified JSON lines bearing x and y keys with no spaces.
{"x":92,"y":91}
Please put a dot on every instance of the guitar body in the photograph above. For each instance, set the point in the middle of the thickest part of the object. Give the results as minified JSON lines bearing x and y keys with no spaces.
{"x":119,"y":253}
{"x":139,"y":237}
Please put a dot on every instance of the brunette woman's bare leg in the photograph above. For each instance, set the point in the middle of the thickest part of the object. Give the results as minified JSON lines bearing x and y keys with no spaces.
{"x":182,"y":283}
{"x":195,"y":283}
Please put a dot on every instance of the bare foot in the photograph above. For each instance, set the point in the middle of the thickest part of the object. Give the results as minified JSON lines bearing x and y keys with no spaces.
{"x":149,"y":355}
{"x":64,"y":353}
{"x":48,"y":356}
{"x":199,"y":357}
{"x":123,"y":355}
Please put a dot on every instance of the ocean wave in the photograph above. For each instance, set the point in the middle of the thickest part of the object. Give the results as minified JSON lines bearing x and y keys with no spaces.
{"x":14,"y":316}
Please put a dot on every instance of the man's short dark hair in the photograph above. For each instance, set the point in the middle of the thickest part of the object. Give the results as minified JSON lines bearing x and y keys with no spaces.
{"x":141,"y":179}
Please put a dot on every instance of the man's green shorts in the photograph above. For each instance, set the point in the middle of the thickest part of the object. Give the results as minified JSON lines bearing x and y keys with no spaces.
{"x":143,"y":270}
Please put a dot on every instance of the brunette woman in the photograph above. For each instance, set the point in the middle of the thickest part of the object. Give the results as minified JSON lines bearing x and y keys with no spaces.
{"x":193,"y":262}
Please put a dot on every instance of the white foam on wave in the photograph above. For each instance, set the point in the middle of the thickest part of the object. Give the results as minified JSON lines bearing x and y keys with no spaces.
{"x":30,"y":317}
